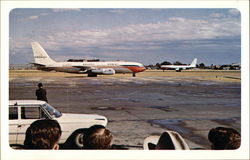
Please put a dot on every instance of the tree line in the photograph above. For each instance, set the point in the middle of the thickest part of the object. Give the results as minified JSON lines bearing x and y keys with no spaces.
{"x":232,"y":66}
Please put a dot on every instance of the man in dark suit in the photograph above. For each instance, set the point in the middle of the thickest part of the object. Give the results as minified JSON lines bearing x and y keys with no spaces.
{"x":41,"y":93}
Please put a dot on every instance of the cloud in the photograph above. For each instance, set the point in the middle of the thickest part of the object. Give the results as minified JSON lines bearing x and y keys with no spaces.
{"x":234,"y":12}
{"x":65,"y":9}
{"x":44,"y":14}
{"x":144,"y":36}
{"x":30,"y":18}
{"x":118,"y":11}
{"x":231,"y":13}
{"x":172,"y":33}
{"x":33,"y":17}
{"x":174,"y":29}
{"x":217,"y":15}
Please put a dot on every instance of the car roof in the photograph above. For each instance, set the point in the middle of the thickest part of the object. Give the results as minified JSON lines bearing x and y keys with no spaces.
{"x":25,"y":102}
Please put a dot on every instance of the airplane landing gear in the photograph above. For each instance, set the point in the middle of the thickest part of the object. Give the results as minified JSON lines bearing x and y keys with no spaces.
{"x":134,"y":75}
{"x":92,"y":74}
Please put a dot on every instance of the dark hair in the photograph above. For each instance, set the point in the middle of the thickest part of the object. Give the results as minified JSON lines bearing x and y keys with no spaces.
{"x":40,"y":85}
{"x":42,"y":134}
{"x":224,"y":138}
{"x":97,"y":137}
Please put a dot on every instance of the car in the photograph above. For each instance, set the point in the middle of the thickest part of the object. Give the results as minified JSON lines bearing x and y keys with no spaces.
{"x":23,"y":112}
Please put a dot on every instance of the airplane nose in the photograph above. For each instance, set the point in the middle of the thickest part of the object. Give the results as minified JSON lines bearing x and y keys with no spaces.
{"x":141,"y":69}
{"x":136,"y":69}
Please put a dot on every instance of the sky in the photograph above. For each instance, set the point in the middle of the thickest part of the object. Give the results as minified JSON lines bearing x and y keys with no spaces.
{"x":148,"y":36}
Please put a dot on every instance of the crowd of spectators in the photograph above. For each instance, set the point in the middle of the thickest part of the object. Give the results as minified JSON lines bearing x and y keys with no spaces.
{"x":45,"y":134}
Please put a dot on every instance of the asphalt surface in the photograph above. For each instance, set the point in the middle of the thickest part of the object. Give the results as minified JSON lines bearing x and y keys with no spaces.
{"x":137,"y":107}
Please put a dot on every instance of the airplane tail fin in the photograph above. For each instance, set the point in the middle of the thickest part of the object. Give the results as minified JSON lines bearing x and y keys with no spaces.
{"x":40,"y":55}
{"x":194,"y":62}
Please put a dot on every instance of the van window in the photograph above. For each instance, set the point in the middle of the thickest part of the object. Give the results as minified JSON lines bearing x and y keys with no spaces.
{"x":13,"y":113}
{"x":31,"y":112}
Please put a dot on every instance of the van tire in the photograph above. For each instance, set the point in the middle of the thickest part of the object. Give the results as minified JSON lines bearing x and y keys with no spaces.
{"x":78,"y":139}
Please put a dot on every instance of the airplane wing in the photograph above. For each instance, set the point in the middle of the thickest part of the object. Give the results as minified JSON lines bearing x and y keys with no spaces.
{"x":85,"y":69}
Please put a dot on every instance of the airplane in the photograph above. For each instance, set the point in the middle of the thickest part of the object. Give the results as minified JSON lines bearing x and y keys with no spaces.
{"x":178,"y":68}
{"x":44,"y":62}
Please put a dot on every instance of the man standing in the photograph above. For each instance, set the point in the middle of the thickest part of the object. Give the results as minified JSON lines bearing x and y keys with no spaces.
{"x":41,"y":93}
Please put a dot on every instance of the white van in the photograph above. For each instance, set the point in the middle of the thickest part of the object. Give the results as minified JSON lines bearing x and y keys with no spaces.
{"x":23,"y":112}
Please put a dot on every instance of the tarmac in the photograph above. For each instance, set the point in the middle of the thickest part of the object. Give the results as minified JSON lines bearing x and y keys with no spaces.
{"x":137,"y":107}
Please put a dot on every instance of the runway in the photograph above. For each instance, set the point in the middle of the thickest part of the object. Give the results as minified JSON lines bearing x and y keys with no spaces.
{"x":137,"y":107}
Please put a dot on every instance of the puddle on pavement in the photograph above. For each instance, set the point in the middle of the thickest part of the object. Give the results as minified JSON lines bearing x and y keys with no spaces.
{"x":107,"y":108}
{"x":164,"y":108}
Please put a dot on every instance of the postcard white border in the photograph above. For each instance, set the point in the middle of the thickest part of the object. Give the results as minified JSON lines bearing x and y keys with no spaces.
{"x":9,"y":154}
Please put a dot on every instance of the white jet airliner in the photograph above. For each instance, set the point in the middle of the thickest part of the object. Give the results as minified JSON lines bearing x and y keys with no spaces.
{"x":178,"y":68}
{"x":44,"y":62}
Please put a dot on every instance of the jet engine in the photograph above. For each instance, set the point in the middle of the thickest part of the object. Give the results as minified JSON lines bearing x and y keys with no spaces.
{"x":105,"y":71}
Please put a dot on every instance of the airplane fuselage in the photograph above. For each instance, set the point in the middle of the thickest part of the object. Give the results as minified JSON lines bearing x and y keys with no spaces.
{"x":74,"y":67}
{"x":178,"y":68}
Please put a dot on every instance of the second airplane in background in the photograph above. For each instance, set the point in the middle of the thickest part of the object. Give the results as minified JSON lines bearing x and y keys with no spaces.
{"x":178,"y":68}
{"x":44,"y":62}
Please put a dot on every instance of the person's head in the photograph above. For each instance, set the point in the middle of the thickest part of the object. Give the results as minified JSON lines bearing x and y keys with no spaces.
{"x":168,"y":140}
{"x":97,"y":137}
{"x":43,"y":134}
{"x":224,"y":138}
{"x":40,"y":85}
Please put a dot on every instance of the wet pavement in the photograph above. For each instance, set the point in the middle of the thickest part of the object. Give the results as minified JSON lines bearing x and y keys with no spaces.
{"x":137,"y":107}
